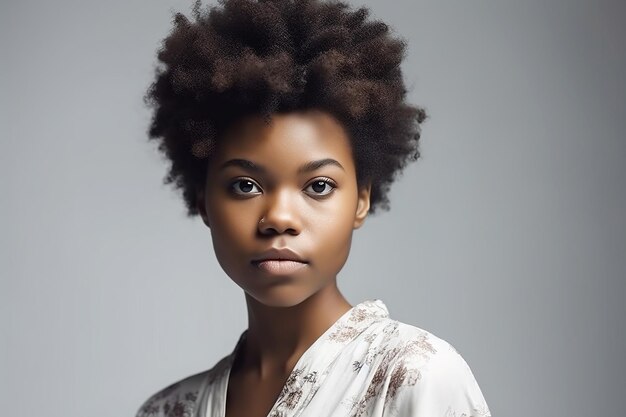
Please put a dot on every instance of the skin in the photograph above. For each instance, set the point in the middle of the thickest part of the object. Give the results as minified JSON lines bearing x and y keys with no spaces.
{"x":249,"y":211}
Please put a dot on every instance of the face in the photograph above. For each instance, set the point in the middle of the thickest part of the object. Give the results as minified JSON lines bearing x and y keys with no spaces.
{"x":287,"y":185}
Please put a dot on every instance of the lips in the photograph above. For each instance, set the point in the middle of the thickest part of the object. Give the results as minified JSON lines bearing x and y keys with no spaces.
{"x":280,"y":254}
{"x":280,"y":267}
{"x":280,"y":261}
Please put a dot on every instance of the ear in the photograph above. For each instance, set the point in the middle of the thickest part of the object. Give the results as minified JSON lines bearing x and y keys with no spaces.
{"x":200,"y":203}
{"x":363,"y":205}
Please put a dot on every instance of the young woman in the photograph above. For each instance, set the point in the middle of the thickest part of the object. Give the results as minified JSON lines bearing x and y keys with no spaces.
{"x":285,"y":124}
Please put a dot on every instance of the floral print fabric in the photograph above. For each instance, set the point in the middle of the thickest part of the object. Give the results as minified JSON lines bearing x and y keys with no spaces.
{"x":364,"y":365}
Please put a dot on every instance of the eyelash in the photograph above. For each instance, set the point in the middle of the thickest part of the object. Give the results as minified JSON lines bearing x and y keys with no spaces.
{"x":326,"y":180}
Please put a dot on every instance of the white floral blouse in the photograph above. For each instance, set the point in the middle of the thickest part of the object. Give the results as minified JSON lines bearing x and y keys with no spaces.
{"x":364,"y":365}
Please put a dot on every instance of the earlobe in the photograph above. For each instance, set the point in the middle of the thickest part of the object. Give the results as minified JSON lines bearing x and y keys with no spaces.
{"x":202,"y":208}
{"x":363,"y":205}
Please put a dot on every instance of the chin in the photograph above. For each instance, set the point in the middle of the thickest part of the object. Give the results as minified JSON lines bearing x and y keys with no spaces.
{"x":282,"y":297}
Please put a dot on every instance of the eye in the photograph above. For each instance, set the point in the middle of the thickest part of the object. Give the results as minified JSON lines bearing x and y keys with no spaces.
{"x":322,"y":186}
{"x":244,"y":186}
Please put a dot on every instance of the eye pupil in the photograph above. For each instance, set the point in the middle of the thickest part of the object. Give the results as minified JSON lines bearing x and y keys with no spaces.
{"x":246,"y":186}
{"x":320,"y":184}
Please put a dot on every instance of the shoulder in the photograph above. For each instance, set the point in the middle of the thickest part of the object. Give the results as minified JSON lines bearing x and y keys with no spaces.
{"x":428,"y":376}
{"x":181,"y":397}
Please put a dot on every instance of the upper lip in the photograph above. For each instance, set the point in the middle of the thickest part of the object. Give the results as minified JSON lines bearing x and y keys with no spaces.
{"x":279,"y":254}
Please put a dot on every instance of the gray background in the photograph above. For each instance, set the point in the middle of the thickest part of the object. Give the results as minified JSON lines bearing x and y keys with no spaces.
{"x":507,"y":239}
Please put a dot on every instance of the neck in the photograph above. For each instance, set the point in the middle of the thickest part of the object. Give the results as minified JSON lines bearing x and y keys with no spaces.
{"x":278,"y":336}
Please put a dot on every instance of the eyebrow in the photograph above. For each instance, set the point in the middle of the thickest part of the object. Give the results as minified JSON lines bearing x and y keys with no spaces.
{"x":307,"y":167}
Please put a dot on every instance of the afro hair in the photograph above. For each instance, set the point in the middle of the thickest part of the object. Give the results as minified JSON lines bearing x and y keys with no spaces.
{"x":272,"y":56}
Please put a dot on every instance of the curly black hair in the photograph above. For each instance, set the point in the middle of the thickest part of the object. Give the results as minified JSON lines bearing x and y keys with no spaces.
{"x":264,"y":56}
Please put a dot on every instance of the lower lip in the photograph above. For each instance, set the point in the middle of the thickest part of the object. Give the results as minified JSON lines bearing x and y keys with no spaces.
{"x":280,"y":267}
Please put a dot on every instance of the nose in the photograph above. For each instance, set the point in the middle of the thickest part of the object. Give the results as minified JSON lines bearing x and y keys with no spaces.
{"x":281,"y":214}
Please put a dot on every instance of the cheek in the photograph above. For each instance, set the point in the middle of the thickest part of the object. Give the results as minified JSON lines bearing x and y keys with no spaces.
{"x":231,"y":227}
{"x":230,"y":244}
{"x":225,"y":212}
{"x":334,"y":234}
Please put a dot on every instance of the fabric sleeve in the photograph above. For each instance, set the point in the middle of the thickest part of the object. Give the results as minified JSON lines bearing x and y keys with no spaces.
{"x":177,"y":399}
{"x":446,"y":388}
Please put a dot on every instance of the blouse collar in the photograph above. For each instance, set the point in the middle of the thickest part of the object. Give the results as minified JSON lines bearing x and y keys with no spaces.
{"x":312,"y":367}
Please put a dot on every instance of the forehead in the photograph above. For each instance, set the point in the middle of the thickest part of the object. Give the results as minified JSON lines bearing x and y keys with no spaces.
{"x":288,"y":140}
